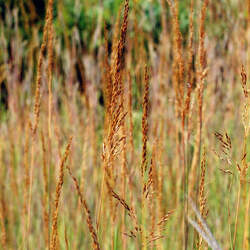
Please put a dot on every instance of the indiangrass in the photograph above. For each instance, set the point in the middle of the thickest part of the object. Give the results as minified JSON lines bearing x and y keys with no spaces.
{"x":36,"y":114}
{"x":86,"y":210}
{"x":202,"y":195}
{"x":50,"y":60}
{"x":243,"y":166}
{"x":45,"y":199}
{"x":145,"y":114}
{"x":53,"y":238}
{"x":154,"y":146}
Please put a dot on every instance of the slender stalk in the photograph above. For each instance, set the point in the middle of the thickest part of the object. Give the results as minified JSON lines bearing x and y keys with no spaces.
{"x":53,"y":241}
{"x":36,"y":115}
{"x":144,"y":154}
{"x":236,"y":217}
{"x":84,"y":205}
{"x":50,"y":61}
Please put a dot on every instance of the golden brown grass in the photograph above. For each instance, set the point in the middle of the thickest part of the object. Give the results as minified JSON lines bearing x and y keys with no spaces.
{"x":86,"y":211}
{"x":136,"y":155}
{"x":53,"y":238}
{"x":202,"y":195}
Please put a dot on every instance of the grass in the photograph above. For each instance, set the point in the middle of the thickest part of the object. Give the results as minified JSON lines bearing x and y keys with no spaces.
{"x":139,"y":141}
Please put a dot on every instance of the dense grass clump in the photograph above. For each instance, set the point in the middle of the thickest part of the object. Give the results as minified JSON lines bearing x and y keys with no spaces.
{"x":126,"y":127}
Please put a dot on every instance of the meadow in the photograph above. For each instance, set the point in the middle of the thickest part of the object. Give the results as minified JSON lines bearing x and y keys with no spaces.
{"x":124,"y":124}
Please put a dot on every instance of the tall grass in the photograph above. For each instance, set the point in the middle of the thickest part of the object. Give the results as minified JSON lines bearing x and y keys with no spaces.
{"x":127,"y":143}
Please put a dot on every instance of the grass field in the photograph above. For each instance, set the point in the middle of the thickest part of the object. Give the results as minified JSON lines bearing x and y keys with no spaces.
{"x":124,"y":124}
